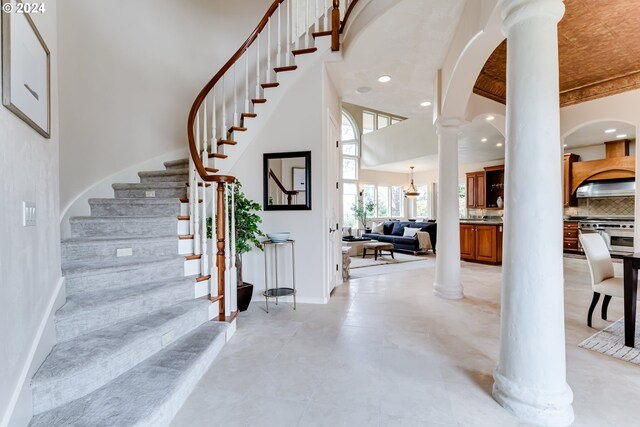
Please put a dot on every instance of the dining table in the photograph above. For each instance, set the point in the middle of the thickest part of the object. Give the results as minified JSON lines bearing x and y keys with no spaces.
{"x":631,"y":265}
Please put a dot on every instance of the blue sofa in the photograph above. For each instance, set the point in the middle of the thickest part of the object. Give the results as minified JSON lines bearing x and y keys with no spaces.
{"x":394,"y":230}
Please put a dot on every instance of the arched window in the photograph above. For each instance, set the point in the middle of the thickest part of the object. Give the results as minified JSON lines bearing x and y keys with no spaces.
{"x":350,"y":168}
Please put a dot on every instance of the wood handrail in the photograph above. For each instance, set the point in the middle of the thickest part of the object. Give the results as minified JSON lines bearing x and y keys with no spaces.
{"x":207,"y":88}
{"x":289,"y":193}
{"x":347,"y":14}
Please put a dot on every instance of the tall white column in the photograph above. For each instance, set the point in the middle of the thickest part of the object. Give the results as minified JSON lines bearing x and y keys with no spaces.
{"x":530,"y":380}
{"x":447,"y":284}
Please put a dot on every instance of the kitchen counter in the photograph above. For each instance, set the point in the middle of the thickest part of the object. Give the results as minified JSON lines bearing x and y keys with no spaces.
{"x":480,"y":221}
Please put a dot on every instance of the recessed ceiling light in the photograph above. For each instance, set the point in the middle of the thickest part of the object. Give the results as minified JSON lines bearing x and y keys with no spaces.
{"x":363,"y":89}
{"x":483,"y":140}
{"x":425,"y":104}
{"x":384,"y":79}
{"x":624,"y":135}
{"x":499,"y":144}
{"x":489,"y":118}
{"x":610,"y":131}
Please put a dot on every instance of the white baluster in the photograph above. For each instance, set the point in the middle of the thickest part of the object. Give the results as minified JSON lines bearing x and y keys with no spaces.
{"x":258,"y":67}
{"x":235,"y":98}
{"x":214,"y":129}
{"x":205,"y":140}
{"x":204,"y":265}
{"x":326,"y":15}
{"x":296,"y":20}
{"x":224,"y":109}
{"x":213,"y":284}
{"x":246,"y":81}
{"x":278,"y":63}
{"x":267,"y":78}
{"x":191,"y":196}
{"x":315,"y":21}
{"x":306,"y":24}
{"x":287,"y":50}
{"x":234,"y":275}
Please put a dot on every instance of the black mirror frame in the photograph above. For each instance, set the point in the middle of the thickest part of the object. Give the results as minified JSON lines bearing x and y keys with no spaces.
{"x":265,"y":181}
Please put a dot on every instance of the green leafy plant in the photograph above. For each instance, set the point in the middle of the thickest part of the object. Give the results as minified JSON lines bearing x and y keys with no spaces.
{"x":363,"y":210}
{"x":247,"y":230}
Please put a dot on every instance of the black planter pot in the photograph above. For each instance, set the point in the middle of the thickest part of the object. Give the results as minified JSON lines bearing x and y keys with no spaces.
{"x":245,"y":292}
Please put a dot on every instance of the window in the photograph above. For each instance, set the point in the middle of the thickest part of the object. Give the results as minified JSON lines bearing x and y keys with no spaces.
{"x":422,"y":202}
{"x":462,"y":201}
{"x":350,"y":167}
{"x":383,"y":121}
{"x":395,"y":120}
{"x":388,"y":200}
{"x":396,"y":202}
{"x":368,"y":122}
{"x":383,"y":201}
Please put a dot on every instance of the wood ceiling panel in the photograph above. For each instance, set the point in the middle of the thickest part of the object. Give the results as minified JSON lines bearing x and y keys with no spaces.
{"x":599,"y":53}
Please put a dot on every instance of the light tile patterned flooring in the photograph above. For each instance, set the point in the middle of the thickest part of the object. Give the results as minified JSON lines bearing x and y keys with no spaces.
{"x":386,"y":352}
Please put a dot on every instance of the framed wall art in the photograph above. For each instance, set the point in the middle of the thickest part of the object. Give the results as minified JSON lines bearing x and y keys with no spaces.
{"x":26,"y":69}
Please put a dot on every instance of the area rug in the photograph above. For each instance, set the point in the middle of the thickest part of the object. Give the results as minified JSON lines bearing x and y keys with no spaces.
{"x":359,"y":262}
{"x":610,"y":341}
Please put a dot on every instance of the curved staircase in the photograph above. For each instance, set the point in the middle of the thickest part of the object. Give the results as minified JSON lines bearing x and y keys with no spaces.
{"x":143,"y":318}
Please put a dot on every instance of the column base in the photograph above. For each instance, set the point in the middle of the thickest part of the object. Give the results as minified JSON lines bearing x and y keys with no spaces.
{"x":448,"y":291}
{"x":534,"y":406}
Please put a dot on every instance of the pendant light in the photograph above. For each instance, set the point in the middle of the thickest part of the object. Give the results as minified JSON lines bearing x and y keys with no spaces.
{"x":411,"y":192}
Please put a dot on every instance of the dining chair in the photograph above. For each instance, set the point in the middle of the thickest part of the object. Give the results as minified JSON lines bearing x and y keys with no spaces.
{"x":603,"y":279}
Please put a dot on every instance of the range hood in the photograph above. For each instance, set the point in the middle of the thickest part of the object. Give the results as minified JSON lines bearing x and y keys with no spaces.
{"x":626,"y":188}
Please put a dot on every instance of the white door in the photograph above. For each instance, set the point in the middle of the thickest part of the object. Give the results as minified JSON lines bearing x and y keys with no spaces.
{"x":334,"y":219}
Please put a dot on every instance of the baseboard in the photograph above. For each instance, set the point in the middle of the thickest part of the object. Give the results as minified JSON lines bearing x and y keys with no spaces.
{"x":20,"y":407}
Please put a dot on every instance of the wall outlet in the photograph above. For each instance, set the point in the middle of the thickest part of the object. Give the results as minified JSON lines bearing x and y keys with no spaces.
{"x":124,"y":252}
{"x":168,"y":338}
{"x":28,"y":214}
{"x":150,"y":194}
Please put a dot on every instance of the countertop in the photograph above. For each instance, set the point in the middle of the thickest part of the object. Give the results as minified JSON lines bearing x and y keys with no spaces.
{"x":480,"y":221}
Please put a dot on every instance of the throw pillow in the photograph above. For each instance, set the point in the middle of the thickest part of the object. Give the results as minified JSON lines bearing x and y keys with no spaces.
{"x":377,"y":228}
{"x":410,"y":232}
{"x":398,"y":229}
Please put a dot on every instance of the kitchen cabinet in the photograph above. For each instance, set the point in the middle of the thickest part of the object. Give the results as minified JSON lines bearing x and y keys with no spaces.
{"x":570,"y":237}
{"x":476,"y":190}
{"x":494,"y":189}
{"x":568,"y":198}
{"x":481,"y":243}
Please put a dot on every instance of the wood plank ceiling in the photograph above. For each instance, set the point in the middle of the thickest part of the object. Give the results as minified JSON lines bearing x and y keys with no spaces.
{"x":599,"y":52}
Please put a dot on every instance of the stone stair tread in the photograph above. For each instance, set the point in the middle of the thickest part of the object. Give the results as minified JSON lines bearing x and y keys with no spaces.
{"x":152,"y":185}
{"x":130,"y":200}
{"x":148,"y":394}
{"x":110,"y":357}
{"x":99,"y":266}
{"x":78,"y":305}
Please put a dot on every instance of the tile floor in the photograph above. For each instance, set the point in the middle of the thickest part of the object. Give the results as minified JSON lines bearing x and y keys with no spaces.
{"x":386,"y":352}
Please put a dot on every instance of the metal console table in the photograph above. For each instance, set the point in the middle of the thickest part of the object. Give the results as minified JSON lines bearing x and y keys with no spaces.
{"x":277,"y":291}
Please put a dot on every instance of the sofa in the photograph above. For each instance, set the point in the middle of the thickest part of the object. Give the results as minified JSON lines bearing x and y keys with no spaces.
{"x":394,"y":230}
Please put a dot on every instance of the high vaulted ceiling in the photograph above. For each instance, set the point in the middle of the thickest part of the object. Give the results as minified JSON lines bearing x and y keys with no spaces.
{"x":599,"y":53}
{"x":408,"y":42}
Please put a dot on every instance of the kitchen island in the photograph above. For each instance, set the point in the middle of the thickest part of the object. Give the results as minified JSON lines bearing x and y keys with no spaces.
{"x":481,"y":240}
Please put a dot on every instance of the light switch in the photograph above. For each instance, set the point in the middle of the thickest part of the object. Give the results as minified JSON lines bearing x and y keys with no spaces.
{"x":168,"y":338}
{"x":124,"y":252}
{"x":28,"y":214}
{"x":150,"y":194}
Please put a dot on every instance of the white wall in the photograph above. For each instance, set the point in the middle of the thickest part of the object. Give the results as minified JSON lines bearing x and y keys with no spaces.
{"x":296,"y":125}
{"x":129,"y":73}
{"x":29,"y":257}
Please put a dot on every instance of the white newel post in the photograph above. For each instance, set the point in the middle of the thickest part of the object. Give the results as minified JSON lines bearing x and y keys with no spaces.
{"x":447,"y":284}
{"x":530,"y":380}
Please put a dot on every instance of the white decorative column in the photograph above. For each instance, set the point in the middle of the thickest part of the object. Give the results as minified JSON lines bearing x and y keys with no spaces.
{"x":447,"y":284}
{"x":530,"y":380}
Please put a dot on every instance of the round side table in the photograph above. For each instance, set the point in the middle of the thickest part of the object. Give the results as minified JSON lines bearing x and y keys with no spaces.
{"x":277,"y":291}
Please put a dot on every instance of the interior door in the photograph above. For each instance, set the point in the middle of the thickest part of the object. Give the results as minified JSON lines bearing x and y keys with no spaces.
{"x":334,"y":217}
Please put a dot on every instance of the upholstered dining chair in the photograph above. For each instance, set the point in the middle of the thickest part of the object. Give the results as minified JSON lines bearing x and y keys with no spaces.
{"x":603,"y":279}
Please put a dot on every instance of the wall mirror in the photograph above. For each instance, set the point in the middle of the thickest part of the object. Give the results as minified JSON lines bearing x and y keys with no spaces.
{"x":287,"y":181}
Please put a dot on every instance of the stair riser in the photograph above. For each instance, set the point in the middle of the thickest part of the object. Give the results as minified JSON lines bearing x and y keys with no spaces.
{"x":177,"y":193}
{"x":114,"y":280}
{"x":184,"y":178}
{"x":59,"y":391}
{"x":76,"y":251}
{"x":135,"y":209}
{"x":124,"y":227}
{"x":99,"y":317}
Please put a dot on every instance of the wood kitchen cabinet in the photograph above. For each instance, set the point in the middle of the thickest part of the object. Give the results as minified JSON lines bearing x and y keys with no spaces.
{"x":570,"y":236}
{"x":476,"y":190}
{"x":568,"y":198}
{"x":494,"y":186}
{"x":481,"y":243}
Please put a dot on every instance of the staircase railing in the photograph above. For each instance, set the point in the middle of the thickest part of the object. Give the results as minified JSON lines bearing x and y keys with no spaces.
{"x":220,"y":111}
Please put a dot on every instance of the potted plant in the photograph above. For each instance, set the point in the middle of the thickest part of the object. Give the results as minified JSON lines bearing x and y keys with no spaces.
{"x":247,"y":236}
{"x":363,"y":210}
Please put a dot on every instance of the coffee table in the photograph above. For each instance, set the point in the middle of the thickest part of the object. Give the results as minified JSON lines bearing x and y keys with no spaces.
{"x":355,"y":245}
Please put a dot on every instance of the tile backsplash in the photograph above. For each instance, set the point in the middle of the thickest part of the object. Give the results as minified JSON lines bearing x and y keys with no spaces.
{"x":604,"y":207}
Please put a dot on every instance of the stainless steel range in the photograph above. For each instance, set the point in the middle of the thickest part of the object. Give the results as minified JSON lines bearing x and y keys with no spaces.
{"x":616,"y":232}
